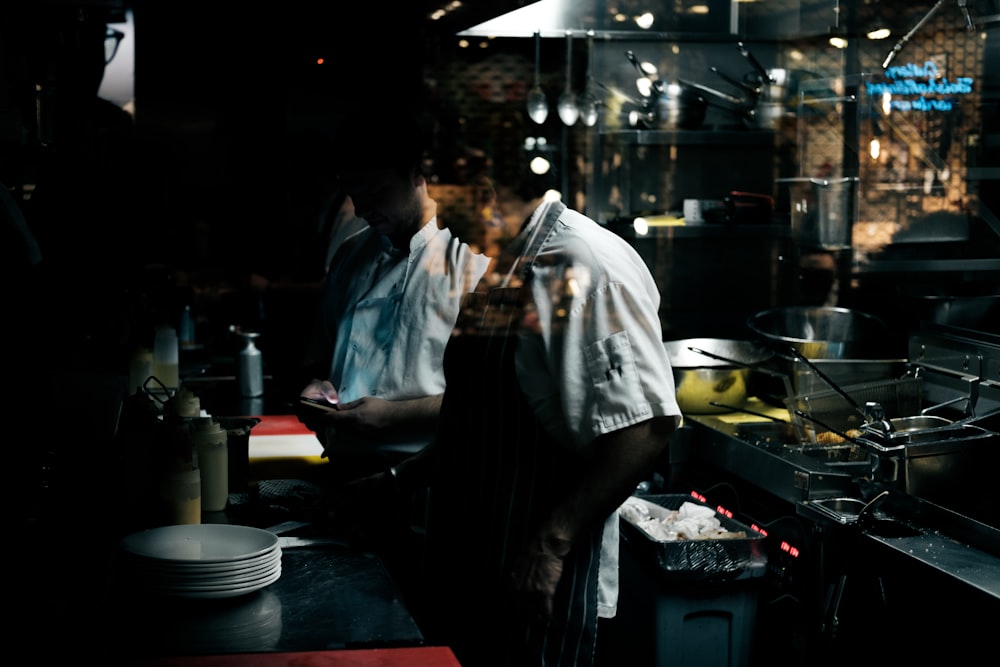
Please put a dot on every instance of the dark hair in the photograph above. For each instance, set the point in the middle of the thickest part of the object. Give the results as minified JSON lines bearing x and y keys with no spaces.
{"x":367,"y":139}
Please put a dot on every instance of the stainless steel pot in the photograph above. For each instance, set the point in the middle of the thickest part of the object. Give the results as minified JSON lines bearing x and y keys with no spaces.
{"x":702,"y":380}
{"x":778,"y":90}
{"x":820,"y":332}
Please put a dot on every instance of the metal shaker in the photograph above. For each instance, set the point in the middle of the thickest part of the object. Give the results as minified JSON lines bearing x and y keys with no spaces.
{"x":250,"y":365}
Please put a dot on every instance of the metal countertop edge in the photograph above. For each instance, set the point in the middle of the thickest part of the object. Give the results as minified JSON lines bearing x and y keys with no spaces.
{"x":957,"y":560}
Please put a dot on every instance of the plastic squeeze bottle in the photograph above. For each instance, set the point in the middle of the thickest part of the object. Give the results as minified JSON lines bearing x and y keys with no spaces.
{"x":166,"y":357}
{"x":210,"y":446}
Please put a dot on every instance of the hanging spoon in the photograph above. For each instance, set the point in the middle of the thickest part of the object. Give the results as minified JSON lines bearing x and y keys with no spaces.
{"x":589,"y":103}
{"x":538,"y":106}
{"x":566,"y":105}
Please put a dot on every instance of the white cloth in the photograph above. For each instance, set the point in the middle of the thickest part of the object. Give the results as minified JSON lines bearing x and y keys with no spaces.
{"x":389,"y":313}
{"x":597,"y":303}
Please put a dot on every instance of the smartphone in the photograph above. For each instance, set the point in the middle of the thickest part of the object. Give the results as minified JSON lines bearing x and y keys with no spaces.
{"x":319,"y":403}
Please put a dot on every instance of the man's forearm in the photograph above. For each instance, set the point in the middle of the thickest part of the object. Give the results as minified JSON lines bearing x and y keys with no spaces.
{"x":623,"y":459}
{"x":417,"y":411}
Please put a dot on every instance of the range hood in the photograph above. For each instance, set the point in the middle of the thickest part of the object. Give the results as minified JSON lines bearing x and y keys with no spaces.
{"x":554,"y":18}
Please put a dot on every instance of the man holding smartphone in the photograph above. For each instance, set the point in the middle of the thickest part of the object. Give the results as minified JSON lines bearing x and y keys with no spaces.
{"x":391,"y":297}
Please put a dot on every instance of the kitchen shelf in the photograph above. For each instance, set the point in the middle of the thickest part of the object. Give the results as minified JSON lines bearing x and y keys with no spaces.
{"x":964,"y":265}
{"x":704,"y":136}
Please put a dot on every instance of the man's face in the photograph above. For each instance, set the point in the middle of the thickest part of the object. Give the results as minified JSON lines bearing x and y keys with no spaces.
{"x":387,"y":199}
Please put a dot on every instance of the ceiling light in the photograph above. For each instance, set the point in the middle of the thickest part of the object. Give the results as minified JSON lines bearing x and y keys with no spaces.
{"x":644,"y":21}
{"x":838,"y":42}
{"x":539,"y":165}
{"x":877,"y":27}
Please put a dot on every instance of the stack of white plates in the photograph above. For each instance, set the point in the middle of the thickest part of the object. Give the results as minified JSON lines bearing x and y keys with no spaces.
{"x":202,"y":560}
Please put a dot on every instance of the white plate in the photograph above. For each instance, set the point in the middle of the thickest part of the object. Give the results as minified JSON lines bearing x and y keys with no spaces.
{"x":217,"y":585}
{"x":227,"y":592}
{"x":214,"y":579}
{"x":176,"y":569}
{"x":201,"y":543}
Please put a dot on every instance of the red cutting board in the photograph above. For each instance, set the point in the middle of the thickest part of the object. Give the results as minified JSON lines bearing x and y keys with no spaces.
{"x":280,"y":425}
{"x":423,"y":656}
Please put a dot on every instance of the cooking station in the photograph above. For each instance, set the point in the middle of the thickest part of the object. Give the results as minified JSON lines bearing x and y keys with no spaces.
{"x":908,"y":531}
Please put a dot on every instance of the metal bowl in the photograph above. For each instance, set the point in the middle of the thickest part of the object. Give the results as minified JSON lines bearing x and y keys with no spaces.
{"x":701,"y":380}
{"x":820,"y":332}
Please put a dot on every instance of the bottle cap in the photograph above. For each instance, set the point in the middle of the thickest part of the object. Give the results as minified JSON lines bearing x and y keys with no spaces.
{"x":183,"y":404}
{"x":207,"y":431}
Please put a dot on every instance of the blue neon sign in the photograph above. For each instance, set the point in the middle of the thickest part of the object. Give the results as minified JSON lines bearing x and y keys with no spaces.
{"x":911,"y":84}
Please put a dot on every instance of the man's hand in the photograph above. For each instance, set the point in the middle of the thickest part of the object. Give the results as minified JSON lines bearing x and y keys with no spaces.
{"x":536,"y":575}
{"x":365,"y":415}
{"x":313,"y":418}
{"x":368,"y":415}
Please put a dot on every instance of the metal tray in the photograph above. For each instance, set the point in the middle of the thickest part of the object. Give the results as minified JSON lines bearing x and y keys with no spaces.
{"x":696,"y":560}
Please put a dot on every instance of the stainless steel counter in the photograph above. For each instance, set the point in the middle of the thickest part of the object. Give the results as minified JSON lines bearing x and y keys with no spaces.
{"x":949,"y":542}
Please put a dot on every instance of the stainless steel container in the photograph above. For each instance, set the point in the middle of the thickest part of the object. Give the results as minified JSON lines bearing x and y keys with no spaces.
{"x":701,"y":380}
{"x":821,"y":332}
{"x":934,"y":464}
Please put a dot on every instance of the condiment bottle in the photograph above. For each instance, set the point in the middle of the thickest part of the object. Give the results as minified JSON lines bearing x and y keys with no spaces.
{"x":140,"y":367}
{"x":166,"y":357}
{"x":184,"y":404}
{"x":210,"y":446}
{"x":251,"y":367}
{"x":179,"y":480}
{"x":180,"y":495}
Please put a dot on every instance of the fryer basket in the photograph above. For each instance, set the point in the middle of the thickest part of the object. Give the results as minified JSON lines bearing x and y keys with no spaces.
{"x":898,"y":397}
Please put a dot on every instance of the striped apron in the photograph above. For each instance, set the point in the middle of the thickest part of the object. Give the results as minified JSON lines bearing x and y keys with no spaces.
{"x":499,"y":473}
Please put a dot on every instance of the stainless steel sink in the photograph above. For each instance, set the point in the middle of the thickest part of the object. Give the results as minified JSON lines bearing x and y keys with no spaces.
{"x":841,"y":510}
{"x":847,"y":511}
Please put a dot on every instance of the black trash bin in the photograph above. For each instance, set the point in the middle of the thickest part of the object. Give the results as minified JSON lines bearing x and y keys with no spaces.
{"x":691,"y":601}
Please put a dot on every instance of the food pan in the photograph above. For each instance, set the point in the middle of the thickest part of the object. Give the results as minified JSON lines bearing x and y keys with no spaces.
{"x":695,"y":560}
{"x":933,"y":464}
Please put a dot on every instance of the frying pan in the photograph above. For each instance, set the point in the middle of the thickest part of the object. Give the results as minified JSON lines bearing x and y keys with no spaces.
{"x":671,"y":105}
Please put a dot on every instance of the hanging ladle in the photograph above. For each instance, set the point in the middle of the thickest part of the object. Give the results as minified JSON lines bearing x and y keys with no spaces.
{"x":568,"y":110}
{"x":538,"y":106}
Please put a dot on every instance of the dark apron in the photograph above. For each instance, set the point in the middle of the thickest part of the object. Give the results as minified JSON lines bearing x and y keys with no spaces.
{"x":499,"y":473}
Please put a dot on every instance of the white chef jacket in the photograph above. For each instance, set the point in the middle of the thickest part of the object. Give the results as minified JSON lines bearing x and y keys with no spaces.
{"x":598,"y":307}
{"x":389,"y":314}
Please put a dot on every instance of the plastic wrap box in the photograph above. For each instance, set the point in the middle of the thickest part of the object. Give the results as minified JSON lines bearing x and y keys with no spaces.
{"x":691,"y":602}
